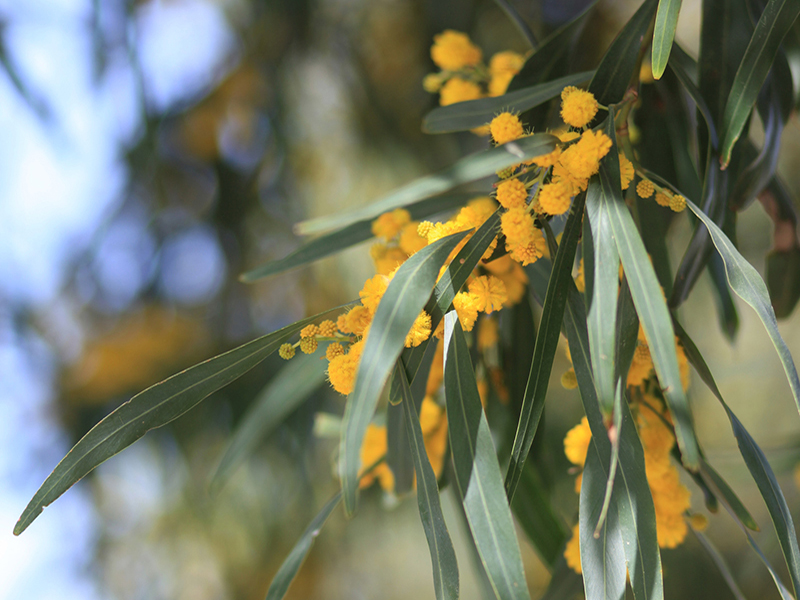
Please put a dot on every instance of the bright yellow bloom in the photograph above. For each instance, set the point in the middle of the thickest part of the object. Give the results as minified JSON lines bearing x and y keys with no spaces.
{"x":390,"y":223}
{"x":386,"y":259}
{"x":453,"y":50}
{"x":683,"y":365}
{"x":410,"y":241}
{"x":343,"y":368}
{"x":357,"y":320}
{"x":432,"y":82}
{"x":308,"y":345}
{"x":506,"y":127}
{"x":547,"y":160}
{"x":677,"y":203}
{"x":373,"y":290}
{"x":490,"y":292}
{"x":327,"y":328}
{"x":420,"y":330}
{"x":459,"y":90}
{"x":517,"y":226}
{"x":529,"y":252}
{"x":582,"y":160}
{"x":333,"y":350}
{"x":626,"y":171}
{"x":502,"y":68}
{"x":576,"y":442}
{"x":511,"y":193}
{"x":309,"y":331}
{"x":433,"y":422}
{"x":487,"y":333}
{"x":554,"y":197}
{"x":578,"y":107}
{"x":286,"y":351}
{"x":645,"y":188}
{"x":580,"y":280}
{"x":641,"y":365}
{"x":662,"y":199}
{"x":572,"y":553}
{"x":372,"y":450}
{"x":466,"y":305}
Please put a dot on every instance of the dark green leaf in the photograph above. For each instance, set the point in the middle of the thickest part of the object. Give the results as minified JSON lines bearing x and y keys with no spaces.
{"x":287,"y":390}
{"x":545,"y":349}
{"x":601,"y":294}
{"x":650,"y":304}
{"x":443,"y":556}
{"x":463,"y":116}
{"x":724,"y":491}
{"x":681,"y":65}
{"x":761,"y":471}
{"x":783,"y":280}
{"x":772,"y":27}
{"x":286,"y":574}
{"x":468,"y":169}
{"x":477,"y":471}
{"x":726,"y":307}
{"x":664,"y":34}
{"x":398,"y":452}
{"x":749,"y":286}
{"x":610,"y":81}
{"x":336,"y":241}
{"x":400,"y":306}
{"x":152,"y":408}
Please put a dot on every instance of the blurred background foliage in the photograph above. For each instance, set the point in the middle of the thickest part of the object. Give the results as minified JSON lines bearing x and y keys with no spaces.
{"x":154,"y":150}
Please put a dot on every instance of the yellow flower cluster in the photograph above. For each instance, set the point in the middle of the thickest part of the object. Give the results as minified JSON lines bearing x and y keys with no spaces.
{"x":578,"y":107}
{"x":463,"y":74}
{"x":663,"y":197}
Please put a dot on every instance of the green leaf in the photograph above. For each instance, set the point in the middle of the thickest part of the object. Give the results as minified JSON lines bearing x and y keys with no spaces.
{"x":468,"y":169}
{"x":649,"y":302}
{"x":719,"y":561}
{"x":610,"y":81}
{"x":443,"y":556}
{"x":602,"y":286}
{"x":724,"y":491}
{"x":463,"y":116}
{"x":748,"y":285}
{"x":664,"y":34}
{"x":761,"y":471}
{"x":284,"y":393}
{"x":400,"y":306}
{"x":355,"y":233}
{"x":286,"y":574}
{"x":680,"y":65}
{"x":398,"y":452}
{"x":772,"y":27}
{"x":152,"y":408}
{"x":477,"y":471}
{"x":545,"y":349}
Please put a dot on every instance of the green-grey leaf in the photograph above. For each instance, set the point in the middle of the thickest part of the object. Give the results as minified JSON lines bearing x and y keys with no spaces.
{"x":749,"y":286}
{"x":761,"y":472}
{"x":443,"y":556}
{"x":355,"y":233}
{"x":545,"y":348}
{"x":152,"y":408}
{"x":723,"y":490}
{"x":463,"y":116}
{"x":610,"y":81}
{"x":650,"y":304}
{"x":284,"y":393}
{"x":772,"y":27}
{"x":477,"y":471}
{"x":664,"y":34}
{"x":601,"y":295}
{"x":286,"y":574}
{"x":400,"y":306}
{"x":470,"y":168}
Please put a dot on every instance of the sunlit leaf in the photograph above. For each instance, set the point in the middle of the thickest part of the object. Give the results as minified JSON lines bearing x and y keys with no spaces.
{"x":470,"y":168}
{"x":664,"y":34}
{"x":443,"y":556}
{"x":477,"y":471}
{"x":400,"y":306}
{"x":152,"y":408}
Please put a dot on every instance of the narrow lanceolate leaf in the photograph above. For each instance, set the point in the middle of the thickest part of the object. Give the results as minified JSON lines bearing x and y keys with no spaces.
{"x":286,"y":574}
{"x":545,"y":349}
{"x":463,"y":116}
{"x":748,"y":285}
{"x":477,"y":471}
{"x":355,"y":233}
{"x":761,"y":471}
{"x":772,"y":27}
{"x":664,"y":34}
{"x":601,"y":299}
{"x":610,"y":81}
{"x":650,"y":305}
{"x":287,"y":390}
{"x":443,"y":556}
{"x":470,"y":168}
{"x":396,"y":313}
{"x":152,"y":408}
{"x":726,"y":493}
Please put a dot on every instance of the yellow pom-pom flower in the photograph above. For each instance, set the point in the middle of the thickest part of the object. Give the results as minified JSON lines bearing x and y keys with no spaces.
{"x":487,"y":333}
{"x":677,"y":203}
{"x":645,"y":188}
{"x":572,"y":552}
{"x":308,"y":345}
{"x":506,"y":127}
{"x":453,"y":50}
{"x":372,"y":449}
{"x":389,"y":224}
{"x":458,"y":89}
{"x":626,"y":171}
{"x":410,"y":240}
{"x":286,"y":351}
{"x":517,"y":225}
{"x":490,"y":292}
{"x":569,"y":380}
{"x":529,"y":252}
{"x":373,"y":291}
{"x":578,"y":107}
{"x":554,"y":198}
{"x":357,"y":320}
{"x":333,"y":350}
{"x":432,"y":82}
{"x":327,"y":328}
{"x":466,"y":305}
{"x":576,"y":442}
{"x":342,"y":369}
{"x":502,"y":68}
{"x":420,"y":331}
{"x":511,"y":193}
{"x":662,"y":199}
